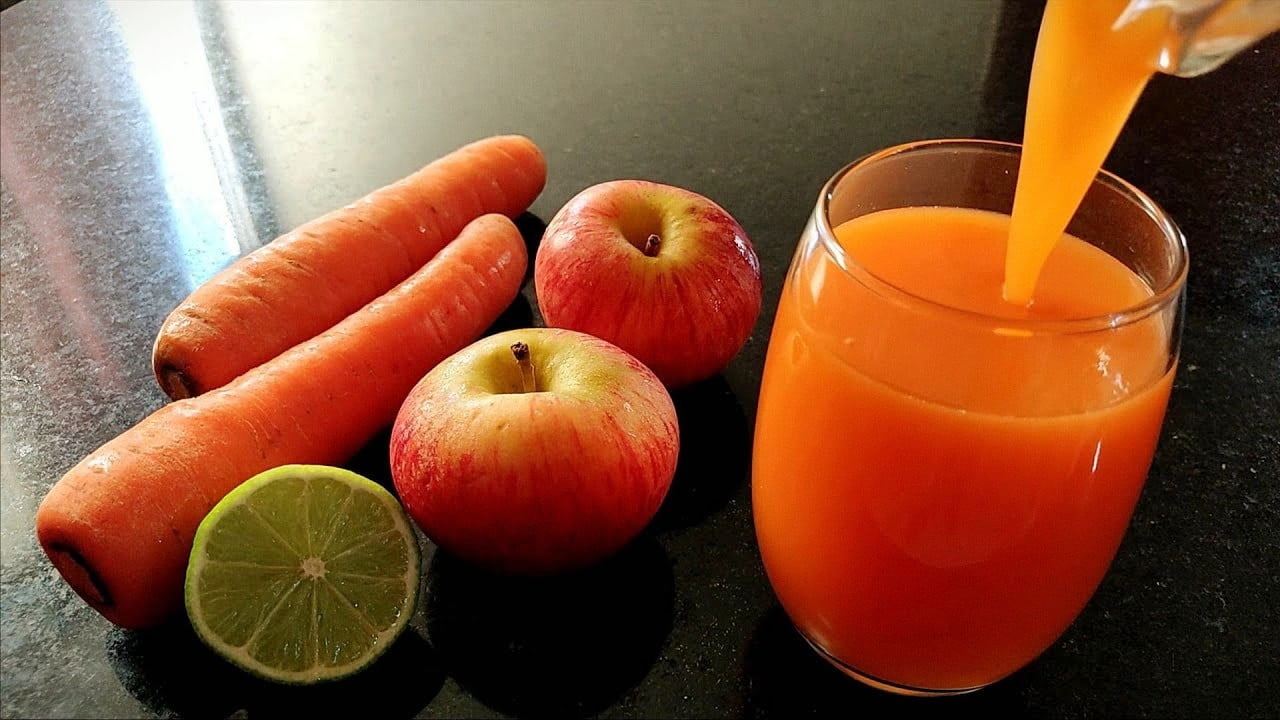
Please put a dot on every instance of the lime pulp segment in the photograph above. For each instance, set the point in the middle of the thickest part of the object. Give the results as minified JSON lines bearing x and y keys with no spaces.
{"x":304,"y":573}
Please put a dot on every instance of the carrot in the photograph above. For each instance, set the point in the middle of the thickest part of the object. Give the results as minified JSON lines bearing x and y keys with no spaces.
{"x":119,"y":525}
{"x":305,"y":281}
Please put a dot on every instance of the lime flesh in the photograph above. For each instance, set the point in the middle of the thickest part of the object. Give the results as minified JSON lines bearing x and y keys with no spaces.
{"x":302,"y":574}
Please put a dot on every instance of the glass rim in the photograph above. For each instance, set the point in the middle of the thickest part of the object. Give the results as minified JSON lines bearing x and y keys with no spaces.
{"x":1160,"y":296}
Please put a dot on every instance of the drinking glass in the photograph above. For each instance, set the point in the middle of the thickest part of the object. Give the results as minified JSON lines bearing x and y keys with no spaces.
{"x":931,"y":537}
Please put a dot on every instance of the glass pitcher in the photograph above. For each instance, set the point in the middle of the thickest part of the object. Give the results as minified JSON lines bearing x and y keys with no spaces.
{"x":1203,"y":34}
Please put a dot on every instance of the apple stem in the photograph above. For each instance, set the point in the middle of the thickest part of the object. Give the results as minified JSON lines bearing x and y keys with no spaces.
{"x":651,"y":245}
{"x":527,"y":378}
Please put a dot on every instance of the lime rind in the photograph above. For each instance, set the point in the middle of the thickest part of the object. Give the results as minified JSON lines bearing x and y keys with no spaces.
{"x":273,"y":630}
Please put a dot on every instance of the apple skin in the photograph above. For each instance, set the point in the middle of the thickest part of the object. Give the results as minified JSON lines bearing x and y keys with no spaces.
{"x":535,"y":482}
{"x":684,"y":311}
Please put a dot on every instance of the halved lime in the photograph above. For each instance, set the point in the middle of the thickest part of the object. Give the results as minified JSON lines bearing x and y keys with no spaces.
{"x":302,"y":574}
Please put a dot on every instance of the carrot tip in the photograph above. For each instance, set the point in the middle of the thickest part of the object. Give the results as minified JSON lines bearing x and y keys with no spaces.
{"x":79,"y":575}
{"x":176,"y":384}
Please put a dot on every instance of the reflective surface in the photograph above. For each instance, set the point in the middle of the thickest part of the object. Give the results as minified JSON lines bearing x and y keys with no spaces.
{"x":142,"y":146}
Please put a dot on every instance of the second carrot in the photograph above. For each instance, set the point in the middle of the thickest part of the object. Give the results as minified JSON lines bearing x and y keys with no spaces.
{"x":309,"y":279}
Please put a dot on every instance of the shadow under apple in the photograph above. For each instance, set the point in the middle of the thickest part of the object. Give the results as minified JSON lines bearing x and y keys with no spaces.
{"x":569,"y":645}
{"x":531,"y":228}
{"x":784,"y":677}
{"x":518,"y":315}
{"x":374,"y":460}
{"x":715,"y":453}
{"x":172,"y":673}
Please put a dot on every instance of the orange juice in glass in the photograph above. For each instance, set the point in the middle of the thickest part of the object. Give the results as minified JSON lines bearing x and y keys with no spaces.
{"x":941,"y":478}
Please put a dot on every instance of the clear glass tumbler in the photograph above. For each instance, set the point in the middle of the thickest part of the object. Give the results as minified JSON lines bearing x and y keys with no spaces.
{"x":937,"y":492}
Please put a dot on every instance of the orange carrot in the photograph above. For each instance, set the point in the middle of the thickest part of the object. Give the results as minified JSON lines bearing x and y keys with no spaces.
{"x":119,"y":525}
{"x":305,"y":281}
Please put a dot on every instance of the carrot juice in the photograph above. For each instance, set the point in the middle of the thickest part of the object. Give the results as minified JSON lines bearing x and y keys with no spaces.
{"x":1086,"y":77}
{"x":960,"y":401}
{"x":937,"y":495}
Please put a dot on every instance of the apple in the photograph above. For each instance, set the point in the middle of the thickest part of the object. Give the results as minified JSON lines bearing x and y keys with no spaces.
{"x":535,"y":451}
{"x":659,"y":271}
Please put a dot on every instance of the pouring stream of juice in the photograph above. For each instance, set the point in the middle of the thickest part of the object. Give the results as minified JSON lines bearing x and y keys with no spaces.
{"x":1093,"y":58}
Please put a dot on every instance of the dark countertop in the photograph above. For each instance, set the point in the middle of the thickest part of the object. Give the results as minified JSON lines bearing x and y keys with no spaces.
{"x":143,"y":147}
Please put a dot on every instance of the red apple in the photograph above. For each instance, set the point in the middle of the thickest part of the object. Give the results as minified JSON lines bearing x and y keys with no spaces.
{"x":661,"y":272}
{"x":535,"y":451}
